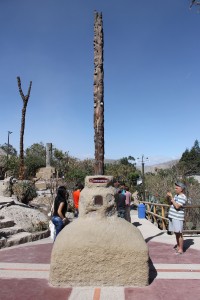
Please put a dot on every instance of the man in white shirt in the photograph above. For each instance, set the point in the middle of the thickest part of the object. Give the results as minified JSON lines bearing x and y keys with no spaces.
{"x":176,"y":214}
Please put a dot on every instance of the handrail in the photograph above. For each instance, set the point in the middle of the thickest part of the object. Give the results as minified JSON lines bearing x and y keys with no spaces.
{"x":157,"y":213}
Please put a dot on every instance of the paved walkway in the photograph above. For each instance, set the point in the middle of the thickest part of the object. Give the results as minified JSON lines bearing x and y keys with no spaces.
{"x":24,"y":271}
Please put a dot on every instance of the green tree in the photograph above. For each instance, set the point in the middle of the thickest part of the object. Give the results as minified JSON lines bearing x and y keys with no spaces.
{"x":161,"y":182}
{"x":9,"y":166}
{"x":35,"y":158}
{"x":126,"y":160}
{"x":72,"y":169}
{"x":123,"y":171}
{"x":37,"y":149}
{"x":60,"y":161}
{"x":190,"y":160}
{"x":78,"y":170}
{"x":11,"y":150}
{"x":13,"y":166}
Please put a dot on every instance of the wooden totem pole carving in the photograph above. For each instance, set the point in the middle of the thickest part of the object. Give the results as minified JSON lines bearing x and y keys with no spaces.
{"x":98,"y":94}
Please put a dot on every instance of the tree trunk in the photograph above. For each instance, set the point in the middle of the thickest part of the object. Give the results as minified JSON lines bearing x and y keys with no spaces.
{"x":98,"y":94}
{"x":25,"y":102}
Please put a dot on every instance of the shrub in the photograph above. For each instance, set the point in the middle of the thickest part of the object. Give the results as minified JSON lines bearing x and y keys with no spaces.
{"x":25,"y":191}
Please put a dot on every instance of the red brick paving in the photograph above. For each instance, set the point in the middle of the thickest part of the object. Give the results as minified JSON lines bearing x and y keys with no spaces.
{"x":159,"y":289}
{"x":31,"y":289}
{"x":167,"y":289}
{"x":41,"y":253}
{"x":37,"y":254}
{"x":164,"y":253}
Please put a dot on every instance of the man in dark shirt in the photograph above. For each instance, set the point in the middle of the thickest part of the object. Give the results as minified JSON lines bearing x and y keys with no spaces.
{"x":120,"y":200}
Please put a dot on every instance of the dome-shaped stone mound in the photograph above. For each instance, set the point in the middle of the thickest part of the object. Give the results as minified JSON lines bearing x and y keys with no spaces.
{"x":99,"y":249}
{"x":107,"y":252}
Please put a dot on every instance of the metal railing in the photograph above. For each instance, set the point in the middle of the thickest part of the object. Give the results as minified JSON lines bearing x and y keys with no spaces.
{"x":157,"y":213}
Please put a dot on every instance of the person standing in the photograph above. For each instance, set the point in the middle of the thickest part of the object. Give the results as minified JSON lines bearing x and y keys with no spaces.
{"x":128,"y":204}
{"x":120,"y":200}
{"x":176,"y":214}
{"x":76,"y":196}
{"x":60,"y":209}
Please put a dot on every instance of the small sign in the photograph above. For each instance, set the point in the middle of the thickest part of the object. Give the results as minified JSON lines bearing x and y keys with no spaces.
{"x":99,"y":180}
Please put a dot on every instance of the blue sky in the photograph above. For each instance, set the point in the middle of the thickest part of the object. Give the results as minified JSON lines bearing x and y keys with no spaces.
{"x":151,"y":81}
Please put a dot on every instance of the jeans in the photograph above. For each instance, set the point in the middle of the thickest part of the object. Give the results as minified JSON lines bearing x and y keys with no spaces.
{"x":121,"y":213}
{"x":76,"y":213}
{"x":58,"y":222}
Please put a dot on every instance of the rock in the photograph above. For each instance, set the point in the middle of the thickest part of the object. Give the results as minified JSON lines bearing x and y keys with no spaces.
{"x":23,"y":237}
{"x":11,"y":230}
{"x":6,"y":187}
{"x":43,"y":202}
{"x":5,"y":222}
{"x":27,"y":218}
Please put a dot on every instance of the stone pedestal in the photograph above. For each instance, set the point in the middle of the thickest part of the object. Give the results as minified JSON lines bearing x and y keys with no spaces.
{"x":45,"y":173}
{"x":98,"y":248}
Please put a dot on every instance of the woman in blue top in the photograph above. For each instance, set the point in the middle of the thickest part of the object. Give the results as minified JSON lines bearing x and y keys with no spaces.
{"x":176,"y":214}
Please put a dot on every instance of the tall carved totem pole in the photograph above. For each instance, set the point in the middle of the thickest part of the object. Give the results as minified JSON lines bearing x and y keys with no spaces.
{"x":98,"y":94}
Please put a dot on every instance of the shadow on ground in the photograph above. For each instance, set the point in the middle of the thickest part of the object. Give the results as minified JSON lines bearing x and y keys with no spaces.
{"x":187,"y":244}
{"x":151,"y":237}
{"x":152,"y":271}
{"x":136,"y":224}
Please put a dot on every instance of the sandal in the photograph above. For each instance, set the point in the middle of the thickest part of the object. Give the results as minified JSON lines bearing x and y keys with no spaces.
{"x":179,"y":253}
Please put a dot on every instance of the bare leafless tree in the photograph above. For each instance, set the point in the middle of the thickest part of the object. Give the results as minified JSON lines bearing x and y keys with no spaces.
{"x":194,"y":2}
{"x":25,"y":102}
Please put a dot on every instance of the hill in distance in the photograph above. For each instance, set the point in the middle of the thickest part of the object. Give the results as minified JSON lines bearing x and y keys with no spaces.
{"x":148,"y":168}
{"x":164,"y":165}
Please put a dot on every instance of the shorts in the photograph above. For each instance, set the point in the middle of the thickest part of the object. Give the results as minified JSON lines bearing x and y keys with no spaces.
{"x":175,"y":225}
